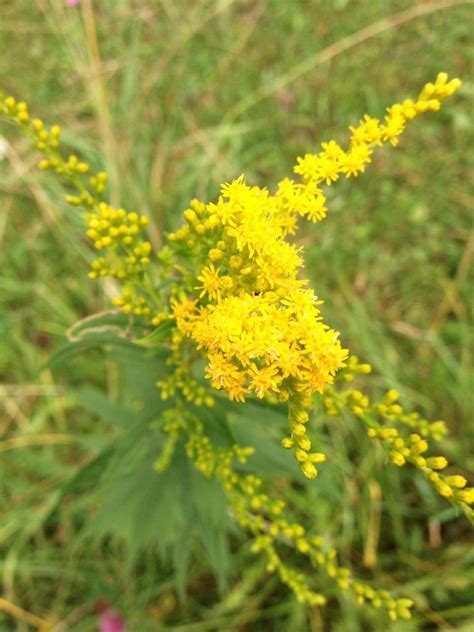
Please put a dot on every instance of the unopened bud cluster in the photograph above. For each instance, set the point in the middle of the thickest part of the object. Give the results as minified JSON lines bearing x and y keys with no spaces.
{"x":412,"y":450}
{"x":299,"y":441}
{"x":119,"y":233}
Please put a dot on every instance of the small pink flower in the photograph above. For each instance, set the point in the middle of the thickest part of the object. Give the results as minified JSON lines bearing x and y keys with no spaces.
{"x":72,"y":3}
{"x":111,"y":622}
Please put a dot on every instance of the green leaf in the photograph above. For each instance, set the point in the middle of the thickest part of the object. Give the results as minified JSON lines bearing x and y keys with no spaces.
{"x":96,"y":401}
{"x":206,"y":508}
{"x":94,"y":340}
{"x":141,"y":369}
{"x":160,"y":333}
{"x":182,"y":551}
{"x":88,"y":477}
{"x":262,"y":427}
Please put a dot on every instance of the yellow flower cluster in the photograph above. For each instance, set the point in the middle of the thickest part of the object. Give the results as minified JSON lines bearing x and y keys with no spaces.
{"x":247,"y":308}
{"x":118,"y":231}
{"x":131,"y":301}
{"x":258,"y":323}
{"x":16,"y":110}
{"x":311,"y":547}
{"x":263,"y":344}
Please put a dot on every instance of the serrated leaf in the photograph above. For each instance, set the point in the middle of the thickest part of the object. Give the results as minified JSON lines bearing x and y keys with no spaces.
{"x":182,"y":551}
{"x":207,"y":510}
{"x":96,"y":401}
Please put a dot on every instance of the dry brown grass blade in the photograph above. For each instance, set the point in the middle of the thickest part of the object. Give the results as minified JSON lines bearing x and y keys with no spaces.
{"x":101,"y":100}
{"x":34,"y":441}
{"x":22,"y":615}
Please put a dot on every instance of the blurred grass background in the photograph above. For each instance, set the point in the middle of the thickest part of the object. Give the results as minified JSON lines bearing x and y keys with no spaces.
{"x":173,"y":98}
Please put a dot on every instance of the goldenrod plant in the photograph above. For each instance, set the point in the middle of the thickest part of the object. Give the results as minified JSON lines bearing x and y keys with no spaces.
{"x":226,"y":306}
